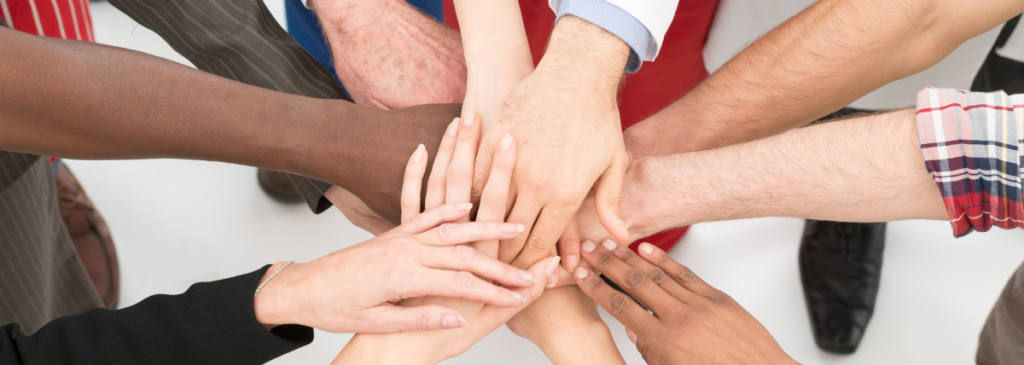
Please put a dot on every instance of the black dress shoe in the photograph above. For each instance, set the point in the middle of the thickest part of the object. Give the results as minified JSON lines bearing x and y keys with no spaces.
{"x":840,"y":267}
{"x":277,"y":185}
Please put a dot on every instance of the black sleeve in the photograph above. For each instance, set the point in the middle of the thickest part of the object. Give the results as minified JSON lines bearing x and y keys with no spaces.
{"x":240,"y":40}
{"x":211,"y":323}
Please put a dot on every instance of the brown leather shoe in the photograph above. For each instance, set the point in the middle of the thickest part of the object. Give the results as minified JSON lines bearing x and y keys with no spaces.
{"x":91,"y":237}
{"x":277,"y":185}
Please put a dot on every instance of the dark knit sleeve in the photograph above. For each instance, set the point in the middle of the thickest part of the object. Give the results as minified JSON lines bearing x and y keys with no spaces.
{"x":211,"y":323}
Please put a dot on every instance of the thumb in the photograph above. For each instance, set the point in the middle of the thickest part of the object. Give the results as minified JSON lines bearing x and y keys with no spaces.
{"x":420,"y":318}
{"x":608,"y":199}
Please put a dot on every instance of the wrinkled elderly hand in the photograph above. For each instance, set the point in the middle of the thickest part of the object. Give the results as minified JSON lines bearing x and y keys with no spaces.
{"x":693,"y":323}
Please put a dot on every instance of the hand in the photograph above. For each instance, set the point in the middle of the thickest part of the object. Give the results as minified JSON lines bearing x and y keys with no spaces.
{"x":564,"y":321}
{"x":389,"y":55}
{"x":356,"y":211}
{"x":449,"y":183}
{"x":693,"y":323}
{"x":566,"y":119}
{"x":354,"y":289}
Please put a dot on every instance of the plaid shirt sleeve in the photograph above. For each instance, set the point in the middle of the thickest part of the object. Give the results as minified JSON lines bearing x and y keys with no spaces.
{"x":971,"y":143}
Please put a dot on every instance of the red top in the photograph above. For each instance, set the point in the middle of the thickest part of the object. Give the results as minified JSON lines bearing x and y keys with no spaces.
{"x":65,"y":19}
{"x":678,"y":69}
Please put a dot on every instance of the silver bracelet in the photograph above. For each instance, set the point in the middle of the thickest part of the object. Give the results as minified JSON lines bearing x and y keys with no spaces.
{"x":279,"y":270}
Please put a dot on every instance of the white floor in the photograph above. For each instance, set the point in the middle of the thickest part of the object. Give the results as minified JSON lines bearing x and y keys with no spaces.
{"x":179,"y":222}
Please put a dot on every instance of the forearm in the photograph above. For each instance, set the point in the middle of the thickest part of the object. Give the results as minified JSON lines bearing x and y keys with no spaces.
{"x":819,"y":61}
{"x":585,"y":344}
{"x":88,"y":101}
{"x":867,"y":169}
{"x":385,"y":48}
{"x":497,"y":52}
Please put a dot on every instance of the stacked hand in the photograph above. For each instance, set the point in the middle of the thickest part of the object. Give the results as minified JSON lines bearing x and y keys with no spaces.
{"x":692,"y":322}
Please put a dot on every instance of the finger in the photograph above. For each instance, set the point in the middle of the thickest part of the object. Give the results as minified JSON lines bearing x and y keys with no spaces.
{"x":462,"y":285}
{"x":459,"y":178}
{"x":641,"y":346}
{"x":412,"y":183}
{"x":465,"y":258}
{"x":523,"y":213}
{"x":449,"y":234}
{"x":681,"y":274}
{"x":656,"y":274}
{"x":438,"y":173}
{"x":390,"y":318}
{"x":608,"y":199}
{"x":492,"y":317}
{"x":569,"y":245}
{"x":630,"y":279}
{"x":495,"y":195}
{"x":619,"y":305}
{"x":484,"y":159}
{"x":544,"y":235}
{"x":432,"y":218}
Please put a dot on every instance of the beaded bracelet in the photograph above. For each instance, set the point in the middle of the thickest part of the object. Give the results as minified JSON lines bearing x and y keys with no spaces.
{"x":279,"y":270}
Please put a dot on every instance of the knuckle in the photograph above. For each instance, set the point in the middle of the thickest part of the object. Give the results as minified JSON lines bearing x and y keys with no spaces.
{"x":627,"y":256}
{"x":492,"y":202}
{"x":446,"y":232}
{"x":657,"y":276}
{"x":537,"y":245}
{"x":459,"y":176}
{"x":634,"y":279}
{"x":423,"y":321}
{"x":603,"y":258}
{"x":464,"y":256}
{"x":435,"y":184}
{"x":420,"y":220}
{"x":619,"y":303}
{"x":684,"y":274}
{"x":464,"y":282}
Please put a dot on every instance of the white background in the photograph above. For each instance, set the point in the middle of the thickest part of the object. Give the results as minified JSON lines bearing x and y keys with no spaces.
{"x":179,"y":222}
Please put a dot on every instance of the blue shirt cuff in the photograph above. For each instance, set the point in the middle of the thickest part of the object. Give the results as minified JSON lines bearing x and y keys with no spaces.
{"x":613,"y":19}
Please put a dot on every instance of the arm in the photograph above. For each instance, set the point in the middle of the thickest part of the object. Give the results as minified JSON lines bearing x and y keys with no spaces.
{"x":819,"y":61}
{"x":388,"y":55}
{"x":867,"y":169}
{"x":205,"y":325}
{"x":565,"y":324}
{"x":105,"y":105}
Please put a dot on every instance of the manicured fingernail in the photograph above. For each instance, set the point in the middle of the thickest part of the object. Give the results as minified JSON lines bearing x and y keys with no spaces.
{"x":581,"y":273}
{"x":588,"y":246}
{"x":470,"y":118}
{"x":462,"y":321}
{"x":552,"y":280}
{"x":510,"y":227}
{"x":454,"y":127}
{"x":528,"y":276}
{"x":570,"y":262}
{"x":418,"y":155}
{"x":506,"y":142}
{"x":450,"y":321}
{"x":622,"y":224}
{"x":631,"y":335}
{"x":518,"y":296}
{"x":646,"y":248}
{"x":464,"y":206}
{"x":609,"y":245}
{"x":550,"y":269}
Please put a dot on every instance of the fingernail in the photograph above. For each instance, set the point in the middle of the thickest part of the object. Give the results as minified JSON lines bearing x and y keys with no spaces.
{"x":470,"y":118}
{"x":454,"y":127}
{"x":418,"y":155}
{"x":571,"y":261}
{"x":464,"y":206}
{"x":528,"y":276}
{"x":552,"y":280}
{"x":510,"y":227}
{"x":462,"y":321}
{"x":646,"y":248}
{"x":550,"y":270}
{"x":450,"y":321}
{"x":622,"y":224}
{"x":609,"y":245}
{"x":581,"y":273}
{"x":588,"y":246}
{"x":631,"y":335}
{"x":506,"y":142}
{"x":518,"y":296}
{"x":521,"y":228}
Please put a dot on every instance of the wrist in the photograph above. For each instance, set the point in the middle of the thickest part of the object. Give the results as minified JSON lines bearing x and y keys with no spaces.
{"x":581,"y":52}
{"x":267,"y":305}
